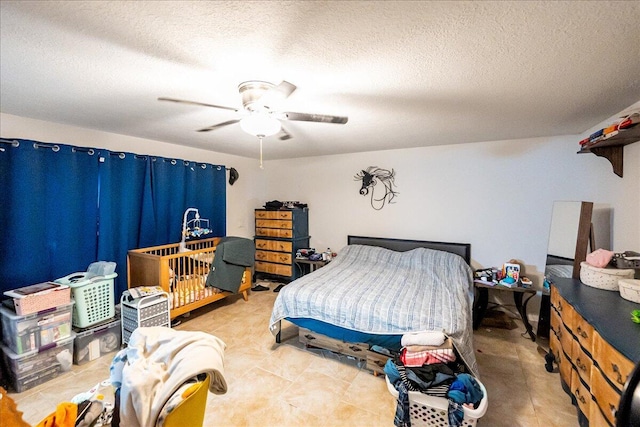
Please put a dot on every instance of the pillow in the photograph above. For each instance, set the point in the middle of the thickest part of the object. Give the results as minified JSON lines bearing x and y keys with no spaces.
{"x":599,"y":258}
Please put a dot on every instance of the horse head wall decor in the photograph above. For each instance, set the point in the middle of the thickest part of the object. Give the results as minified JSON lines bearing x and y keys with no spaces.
{"x":370,"y":177}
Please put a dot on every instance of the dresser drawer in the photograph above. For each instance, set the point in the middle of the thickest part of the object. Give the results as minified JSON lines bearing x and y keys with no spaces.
{"x":271,"y":268}
{"x":614,"y":365}
{"x":274,"y":232}
{"x":582,"y":362}
{"x":606,"y":396}
{"x":274,"y":215}
{"x":583,"y":331}
{"x":596,"y":419}
{"x":556,"y":321}
{"x":566,"y":339}
{"x":563,"y":308}
{"x":564,"y":367}
{"x":279,"y":257}
{"x":274,"y":223}
{"x":274,"y":245}
{"x":581,"y":393}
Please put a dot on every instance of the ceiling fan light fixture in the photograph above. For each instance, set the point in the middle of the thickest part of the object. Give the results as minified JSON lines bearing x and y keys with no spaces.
{"x":260,"y":125}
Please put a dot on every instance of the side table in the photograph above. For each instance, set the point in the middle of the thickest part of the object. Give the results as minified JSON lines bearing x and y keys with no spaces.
{"x":480,"y":305}
{"x":306,"y":264}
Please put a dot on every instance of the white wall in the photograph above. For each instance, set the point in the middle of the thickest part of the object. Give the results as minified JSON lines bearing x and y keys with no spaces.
{"x":498,"y":196}
{"x":241,"y":197}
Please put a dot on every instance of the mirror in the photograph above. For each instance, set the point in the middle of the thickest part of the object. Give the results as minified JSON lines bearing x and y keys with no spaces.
{"x":570,"y":237}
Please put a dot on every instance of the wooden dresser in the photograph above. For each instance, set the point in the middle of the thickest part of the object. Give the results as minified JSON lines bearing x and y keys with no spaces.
{"x":279,"y":234}
{"x":595,"y":345}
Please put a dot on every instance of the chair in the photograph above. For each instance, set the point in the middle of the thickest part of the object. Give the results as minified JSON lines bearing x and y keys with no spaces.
{"x":629,"y":406}
{"x":190,"y":412}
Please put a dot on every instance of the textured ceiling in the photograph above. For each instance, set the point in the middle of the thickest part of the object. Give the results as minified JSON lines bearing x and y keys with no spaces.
{"x":407,"y":74}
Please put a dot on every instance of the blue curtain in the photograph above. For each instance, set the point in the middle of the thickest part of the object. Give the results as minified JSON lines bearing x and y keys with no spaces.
{"x":206,"y":190}
{"x":64,"y":207}
{"x":48,"y":211}
{"x":120,"y":187}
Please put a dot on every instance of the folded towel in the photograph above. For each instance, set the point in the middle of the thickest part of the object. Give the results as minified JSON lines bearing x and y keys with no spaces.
{"x":447,"y":344}
{"x":433,"y":338}
{"x":428,"y":357}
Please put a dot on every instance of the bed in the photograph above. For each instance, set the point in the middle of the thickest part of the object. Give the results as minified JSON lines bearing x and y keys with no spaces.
{"x":374,"y":292}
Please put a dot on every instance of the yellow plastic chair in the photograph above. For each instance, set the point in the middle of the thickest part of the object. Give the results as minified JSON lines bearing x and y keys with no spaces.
{"x":191,"y":411}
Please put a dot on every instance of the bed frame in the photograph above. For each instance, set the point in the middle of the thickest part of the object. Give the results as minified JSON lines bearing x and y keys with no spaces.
{"x":375,"y":361}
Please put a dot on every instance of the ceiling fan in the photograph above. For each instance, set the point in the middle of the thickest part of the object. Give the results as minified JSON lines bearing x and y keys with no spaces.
{"x":258,"y":116}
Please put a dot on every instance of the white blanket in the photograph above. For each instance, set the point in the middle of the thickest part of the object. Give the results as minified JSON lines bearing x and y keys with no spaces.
{"x":157,"y":361}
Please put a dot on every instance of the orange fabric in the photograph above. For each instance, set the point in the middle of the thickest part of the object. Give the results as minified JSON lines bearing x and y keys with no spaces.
{"x":64,"y":416}
{"x":9,"y":413}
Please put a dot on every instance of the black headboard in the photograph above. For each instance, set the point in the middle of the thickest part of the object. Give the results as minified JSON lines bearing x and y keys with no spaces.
{"x":400,"y":245}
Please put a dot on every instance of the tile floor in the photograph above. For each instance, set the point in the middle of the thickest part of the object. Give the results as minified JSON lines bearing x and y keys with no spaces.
{"x":289,"y":385}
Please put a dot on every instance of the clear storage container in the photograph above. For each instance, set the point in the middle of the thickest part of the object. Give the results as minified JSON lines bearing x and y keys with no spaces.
{"x":96,"y":341}
{"x":22,"y":334}
{"x":28,"y":370}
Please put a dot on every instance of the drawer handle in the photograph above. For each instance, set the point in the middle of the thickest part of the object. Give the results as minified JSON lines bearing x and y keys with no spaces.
{"x":580,"y":398}
{"x":582,"y":333}
{"x":560,"y":334}
{"x":617,"y":371}
{"x":310,"y":337}
{"x":283,"y":258}
{"x":354,"y":348}
{"x":614,"y":410}
{"x":261,"y":245}
{"x":581,"y":365}
{"x":560,"y":306}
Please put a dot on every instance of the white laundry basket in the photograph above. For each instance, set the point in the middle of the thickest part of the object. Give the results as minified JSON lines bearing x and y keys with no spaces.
{"x":93,"y":295}
{"x":431,"y":411}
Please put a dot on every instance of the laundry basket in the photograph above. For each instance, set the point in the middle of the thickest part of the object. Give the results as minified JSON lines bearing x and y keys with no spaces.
{"x":431,"y":411}
{"x":93,"y":296}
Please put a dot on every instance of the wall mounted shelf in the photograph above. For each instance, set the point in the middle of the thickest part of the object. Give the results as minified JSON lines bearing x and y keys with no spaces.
{"x":612,"y":149}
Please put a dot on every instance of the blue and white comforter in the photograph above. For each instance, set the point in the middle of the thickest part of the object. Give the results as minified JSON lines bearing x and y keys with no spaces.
{"x":375,"y":290}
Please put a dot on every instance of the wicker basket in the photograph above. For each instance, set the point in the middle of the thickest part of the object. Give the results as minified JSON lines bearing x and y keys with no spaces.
{"x":603,"y":278}
{"x":431,"y":411}
{"x":630,"y":289}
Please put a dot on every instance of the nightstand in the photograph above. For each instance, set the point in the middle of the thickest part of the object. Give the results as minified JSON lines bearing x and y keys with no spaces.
{"x":480,"y":305}
{"x":307,"y":266}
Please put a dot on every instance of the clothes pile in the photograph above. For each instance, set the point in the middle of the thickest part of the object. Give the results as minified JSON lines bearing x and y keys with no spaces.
{"x":428,"y":364}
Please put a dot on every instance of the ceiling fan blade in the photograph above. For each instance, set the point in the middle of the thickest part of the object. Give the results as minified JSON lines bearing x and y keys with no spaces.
{"x":304,"y":117}
{"x":285,"y":89}
{"x":272,"y":97}
{"x":284,"y":135}
{"x":181,"y":101}
{"x":219,"y":125}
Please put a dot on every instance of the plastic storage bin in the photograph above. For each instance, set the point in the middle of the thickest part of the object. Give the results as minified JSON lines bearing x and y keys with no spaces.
{"x":93,"y":295}
{"x":22,"y":334}
{"x":39,"y":297}
{"x":28,"y":370}
{"x":431,"y":411}
{"x":97,"y":341}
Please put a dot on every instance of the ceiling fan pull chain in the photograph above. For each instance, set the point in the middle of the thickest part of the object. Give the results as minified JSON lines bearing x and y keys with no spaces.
{"x":260,"y":138}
